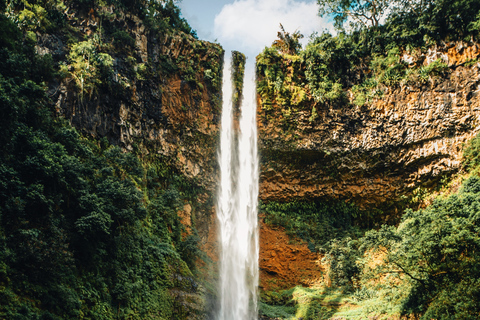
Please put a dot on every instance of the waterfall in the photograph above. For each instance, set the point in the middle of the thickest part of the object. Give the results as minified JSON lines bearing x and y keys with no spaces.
{"x":237,"y":203}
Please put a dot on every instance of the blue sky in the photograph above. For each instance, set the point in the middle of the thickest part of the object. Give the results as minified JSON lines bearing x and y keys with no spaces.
{"x":201,"y":15}
{"x":250,"y":25}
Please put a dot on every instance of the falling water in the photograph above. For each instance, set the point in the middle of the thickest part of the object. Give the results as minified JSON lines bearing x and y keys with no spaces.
{"x":237,"y":203}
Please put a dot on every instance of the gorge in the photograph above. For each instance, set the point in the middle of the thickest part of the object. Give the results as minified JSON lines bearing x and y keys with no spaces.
{"x":112,"y":151}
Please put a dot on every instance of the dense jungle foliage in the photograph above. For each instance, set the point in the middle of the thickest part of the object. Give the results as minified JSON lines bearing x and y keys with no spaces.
{"x":86,"y":230}
{"x":361,"y":62}
{"x":102,"y":53}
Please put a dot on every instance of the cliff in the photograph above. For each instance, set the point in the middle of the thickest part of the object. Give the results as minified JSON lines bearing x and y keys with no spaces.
{"x":160,"y":97}
{"x":376,"y":153}
{"x":163,"y":94}
{"x":354,"y":130}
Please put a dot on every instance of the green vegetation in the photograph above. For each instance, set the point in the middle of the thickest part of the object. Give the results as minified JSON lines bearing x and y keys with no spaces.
{"x":87,"y":231}
{"x":302,"y":303}
{"x":434,"y":254}
{"x":280,"y":80}
{"x":363,"y":12}
{"x":162,"y":15}
{"x":471,"y":154}
{"x":238,"y":65}
{"x":102,"y":55}
{"x":286,"y":43}
{"x":313,"y":221}
{"x":48,"y":15}
{"x":88,"y":67}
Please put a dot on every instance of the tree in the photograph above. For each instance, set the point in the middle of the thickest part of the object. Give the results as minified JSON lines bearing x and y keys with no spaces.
{"x":362,"y":12}
{"x":436,"y":252}
{"x":286,"y":43}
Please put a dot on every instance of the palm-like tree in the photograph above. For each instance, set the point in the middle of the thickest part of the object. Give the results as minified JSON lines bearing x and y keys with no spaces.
{"x":286,"y":43}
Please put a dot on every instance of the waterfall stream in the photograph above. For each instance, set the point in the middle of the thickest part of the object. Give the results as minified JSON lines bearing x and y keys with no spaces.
{"x":237,"y":202}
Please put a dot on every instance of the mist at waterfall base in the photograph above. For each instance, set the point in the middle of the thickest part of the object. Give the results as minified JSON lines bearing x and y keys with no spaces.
{"x":237,"y":202}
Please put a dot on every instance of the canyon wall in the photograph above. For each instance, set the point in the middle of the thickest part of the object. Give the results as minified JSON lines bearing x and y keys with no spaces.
{"x":172,"y":108}
{"x":154,"y":91}
{"x":162,"y":99}
{"x":374,"y":154}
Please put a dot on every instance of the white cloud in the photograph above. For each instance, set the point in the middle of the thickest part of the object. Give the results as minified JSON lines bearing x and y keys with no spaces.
{"x":250,"y":25}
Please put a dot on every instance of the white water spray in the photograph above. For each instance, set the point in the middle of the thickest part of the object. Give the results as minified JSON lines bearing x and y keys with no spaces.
{"x":237,"y":203}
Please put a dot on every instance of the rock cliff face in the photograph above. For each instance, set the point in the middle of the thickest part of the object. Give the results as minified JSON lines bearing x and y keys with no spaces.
{"x":164,"y":96}
{"x":374,"y":154}
{"x":285,"y":263}
{"x":161,"y":99}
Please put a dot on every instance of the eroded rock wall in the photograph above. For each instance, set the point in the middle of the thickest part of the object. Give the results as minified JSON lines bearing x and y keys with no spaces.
{"x":161,"y":99}
{"x":286,"y":262}
{"x":158,"y":94}
{"x":374,"y":154}
{"x":173,"y":108}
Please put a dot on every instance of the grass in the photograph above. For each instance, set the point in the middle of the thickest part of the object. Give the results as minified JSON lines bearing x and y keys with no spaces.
{"x":300,"y":302}
{"x":322,"y":304}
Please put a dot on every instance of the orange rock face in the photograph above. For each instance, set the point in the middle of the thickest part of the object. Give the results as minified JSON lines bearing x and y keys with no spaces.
{"x":210,"y":245}
{"x":285,"y":263}
{"x":374,"y":154}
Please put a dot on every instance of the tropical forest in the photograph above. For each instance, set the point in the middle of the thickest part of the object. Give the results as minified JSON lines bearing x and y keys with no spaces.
{"x":366,"y":189}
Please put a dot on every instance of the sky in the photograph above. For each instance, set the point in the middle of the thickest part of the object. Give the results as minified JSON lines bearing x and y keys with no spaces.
{"x":251,"y":25}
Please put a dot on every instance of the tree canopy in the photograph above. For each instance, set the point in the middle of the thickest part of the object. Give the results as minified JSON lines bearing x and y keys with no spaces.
{"x":363,"y":12}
